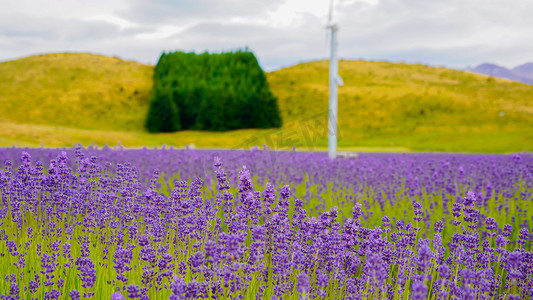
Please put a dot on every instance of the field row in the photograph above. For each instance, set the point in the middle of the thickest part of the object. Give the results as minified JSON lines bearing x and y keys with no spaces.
{"x":181,"y":224}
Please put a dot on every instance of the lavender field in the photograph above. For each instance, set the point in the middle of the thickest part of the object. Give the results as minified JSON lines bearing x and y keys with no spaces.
{"x":89,"y":223}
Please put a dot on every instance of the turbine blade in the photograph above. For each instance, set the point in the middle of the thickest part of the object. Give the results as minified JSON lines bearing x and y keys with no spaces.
{"x":330,"y":14}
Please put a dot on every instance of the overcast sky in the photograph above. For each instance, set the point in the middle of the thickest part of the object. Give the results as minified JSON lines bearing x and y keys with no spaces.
{"x":452,"y":33}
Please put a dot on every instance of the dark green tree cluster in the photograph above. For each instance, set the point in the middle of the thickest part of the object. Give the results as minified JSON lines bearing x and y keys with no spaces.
{"x":215,"y":92}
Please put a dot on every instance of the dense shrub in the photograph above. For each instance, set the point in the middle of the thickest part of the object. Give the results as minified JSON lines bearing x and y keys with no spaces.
{"x":216,"y":92}
{"x":163,"y":114}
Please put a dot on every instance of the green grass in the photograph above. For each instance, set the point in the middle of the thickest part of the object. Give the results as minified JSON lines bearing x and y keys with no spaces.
{"x":69,"y":98}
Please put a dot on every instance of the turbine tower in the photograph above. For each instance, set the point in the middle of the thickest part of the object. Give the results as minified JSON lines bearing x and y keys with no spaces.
{"x":334,"y":81}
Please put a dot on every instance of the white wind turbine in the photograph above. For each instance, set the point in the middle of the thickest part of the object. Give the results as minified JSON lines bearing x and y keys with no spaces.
{"x":334,"y":81}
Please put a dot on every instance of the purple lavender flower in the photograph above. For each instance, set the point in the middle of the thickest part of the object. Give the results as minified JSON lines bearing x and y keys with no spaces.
{"x":87,"y":273}
{"x":444,"y":271}
{"x":117,"y":296}
{"x":424,"y":255}
{"x":507,"y":230}
{"x":53,"y":294}
{"x":196,"y":260}
{"x":490,"y":224}
{"x":376,"y":269}
{"x":469,"y":199}
{"x":269,"y":194}
{"x":144,"y":240}
{"x":513,"y":263}
{"x":322,"y":280}
{"x":523,"y":236}
{"x":14,"y":290}
{"x":133,"y":291}
{"x":456,"y":210}
{"x":179,"y":287}
{"x":357,"y":211}
{"x":74,"y":295}
{"x":419,"y":290}
{"x":303,"y":283}
{"x":439,"y":226}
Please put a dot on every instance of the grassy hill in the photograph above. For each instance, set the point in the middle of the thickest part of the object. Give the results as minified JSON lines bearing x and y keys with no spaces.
{"x":75,"y":90}
{"x":414,"y":106}
{"x":62,"y":99}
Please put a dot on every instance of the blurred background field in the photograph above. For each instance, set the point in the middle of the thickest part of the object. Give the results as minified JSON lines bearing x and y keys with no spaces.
{"x":63,"y":99}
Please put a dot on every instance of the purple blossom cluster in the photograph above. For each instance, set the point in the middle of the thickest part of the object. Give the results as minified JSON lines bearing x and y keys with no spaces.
{"x":162,"y":225}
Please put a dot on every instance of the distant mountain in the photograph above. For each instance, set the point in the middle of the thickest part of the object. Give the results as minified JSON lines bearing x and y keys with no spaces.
{"x":522,"y":73}
{"x":525,"y":70}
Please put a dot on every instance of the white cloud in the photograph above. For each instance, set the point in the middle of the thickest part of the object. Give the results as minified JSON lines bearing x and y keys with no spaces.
{"x":281,"y":32}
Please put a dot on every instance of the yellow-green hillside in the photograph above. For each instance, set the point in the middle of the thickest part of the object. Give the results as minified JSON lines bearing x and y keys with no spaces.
{"x":76,"y":90}
{"x":63,"y":99}
{"x":413,"y":106}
